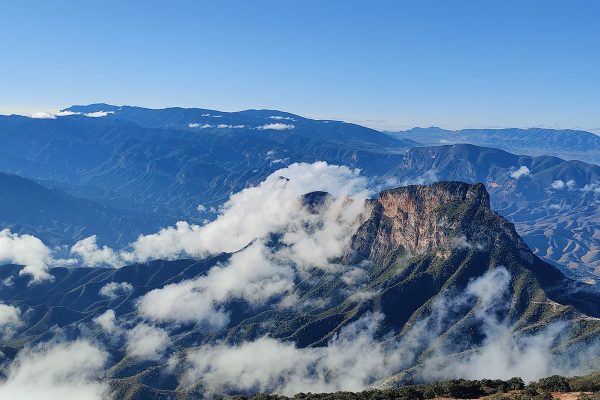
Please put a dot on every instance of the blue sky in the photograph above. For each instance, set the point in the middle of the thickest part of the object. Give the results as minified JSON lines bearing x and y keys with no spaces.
{"x":386,"y":64}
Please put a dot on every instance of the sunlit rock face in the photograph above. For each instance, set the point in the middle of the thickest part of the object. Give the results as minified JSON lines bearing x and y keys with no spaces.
{"x":415,"y":220}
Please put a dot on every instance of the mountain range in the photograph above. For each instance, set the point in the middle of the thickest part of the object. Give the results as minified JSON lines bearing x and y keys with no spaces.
{"x":417,"y":246}
{"x":564,"y":143}
{"x":199,"y":253}
{"x":172,"y":164}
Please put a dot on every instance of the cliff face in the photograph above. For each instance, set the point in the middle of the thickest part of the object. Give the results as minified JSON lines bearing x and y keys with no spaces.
{"x":414,"y":220}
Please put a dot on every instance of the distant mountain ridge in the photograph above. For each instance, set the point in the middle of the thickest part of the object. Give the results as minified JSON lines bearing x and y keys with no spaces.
{"x":27,"y":207}
{"x":559,"y":223}
{"x":564,"y":143}
{"x":152,"y":162}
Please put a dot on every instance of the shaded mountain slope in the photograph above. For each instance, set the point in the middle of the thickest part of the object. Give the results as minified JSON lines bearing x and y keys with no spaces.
{"x":416,"y":246}
{"x":57,"y":218}
{"x":553,"y":203}
{"x":161,"y":170}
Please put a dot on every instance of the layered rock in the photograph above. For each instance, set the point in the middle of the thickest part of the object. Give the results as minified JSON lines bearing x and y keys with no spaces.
{"x":415,"y":220}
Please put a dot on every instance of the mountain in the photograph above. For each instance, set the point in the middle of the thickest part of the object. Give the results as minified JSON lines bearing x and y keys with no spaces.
{"x":553,"y":203}
{"x":244,"y":122}
{"x":416,"y":246}
{"x":165,"y":168}
{"x":566,"y":143}
{"x":182,"y":164}
{"x":27,"y":207}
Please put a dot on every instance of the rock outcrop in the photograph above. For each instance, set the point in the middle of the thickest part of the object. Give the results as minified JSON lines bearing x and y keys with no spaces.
{"x":415,"y":220}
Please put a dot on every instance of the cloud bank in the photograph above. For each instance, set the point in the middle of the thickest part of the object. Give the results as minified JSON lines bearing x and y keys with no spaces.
{"x":67,"y":371}
{"x":28,"y":251}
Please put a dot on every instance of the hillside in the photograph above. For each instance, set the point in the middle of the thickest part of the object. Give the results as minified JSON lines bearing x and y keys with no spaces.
{"x":552,"y":202}
{"x":27,"y":207}
{"x":416,"y":248}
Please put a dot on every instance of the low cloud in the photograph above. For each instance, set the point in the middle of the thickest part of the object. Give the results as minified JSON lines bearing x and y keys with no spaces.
{"x":519,"y":173}
{"x":198,"y":125}
{"x":258,"y":272}
{"x":54,"y":115}
{"x":591,"y":187}
{"x":250,"y":275}
{"x":280,"y":117}
{"x":276,"y":127}
{"x":146,"y":342}
{"x":10,"y":320}
{"x":98,"y":114}
{"x":350,"y":361}
{"x":67,"y":371}
{"x":225,"y":126}
{"x":113,"y":290}
{"x":91,"y":255}
{"x":503,"y":352}
{"x":560,"y":184}
{"x":107,"y":321}
{"x":28,"y":251}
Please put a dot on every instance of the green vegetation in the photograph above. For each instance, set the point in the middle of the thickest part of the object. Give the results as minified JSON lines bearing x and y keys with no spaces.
{"x":496,"y":389}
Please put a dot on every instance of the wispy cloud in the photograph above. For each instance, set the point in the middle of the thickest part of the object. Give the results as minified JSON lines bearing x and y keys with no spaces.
{"x":197,"y":125}
{"x":276,"y":127}
{"x":113,"y":290}
{"x":30,"y":252}
{"x":520,"y":172}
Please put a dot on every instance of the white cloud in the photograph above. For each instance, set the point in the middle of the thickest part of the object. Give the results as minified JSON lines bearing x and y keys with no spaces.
{"x":256,"y":274}
{"x":146,"y":342}
{"x":560,"y":184}
{"x":276,"y":126}
{"x":519,"y":173}
{"x":591,"y":187}
{"x":461,"y":242}
{"x":199,"y":125}
{"x":309,"y":239}
{"x":351,"y":360}
{"x":279,"y":117}
{"x":28,"y":251}
{"x":107,"y":321}
{"x":87,"y":249}
{"x":98,"y":114}
{"x":224,"y":126}
{"x":249,"y":275}
{"x":53,"y":115}
{"x":503,"y":352}
{"x":42,"y":115}
{"x":113,"y":290}
{"x":272,"y":206}
{"x":66,"y":371}
{"x":10,"y":320}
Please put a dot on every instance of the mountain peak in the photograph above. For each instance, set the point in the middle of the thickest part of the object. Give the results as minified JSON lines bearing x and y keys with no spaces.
{"x":439,"y":218}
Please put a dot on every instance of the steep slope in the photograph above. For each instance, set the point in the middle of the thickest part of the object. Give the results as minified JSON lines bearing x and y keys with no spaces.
{"x":57,"y":218}
{"x":164,"y":171}
{"x":567,"y":144}
{"x":415,"y":246}
{"x":553,"y":203}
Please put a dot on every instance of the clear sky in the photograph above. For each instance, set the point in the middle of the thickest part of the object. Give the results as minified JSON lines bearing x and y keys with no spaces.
{"x":386,"y":64}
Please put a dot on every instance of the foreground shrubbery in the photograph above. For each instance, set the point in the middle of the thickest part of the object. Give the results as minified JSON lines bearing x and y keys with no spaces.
{"x":514,"y":389}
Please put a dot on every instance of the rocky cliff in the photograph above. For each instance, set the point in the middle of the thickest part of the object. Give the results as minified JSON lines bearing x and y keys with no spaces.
{"x":415,"y":220}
